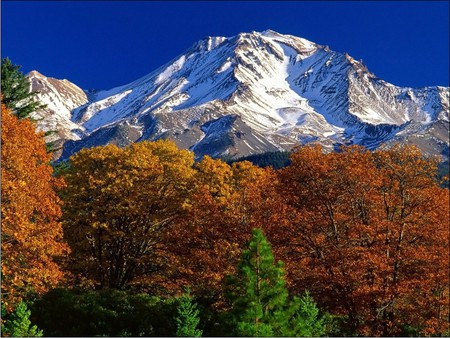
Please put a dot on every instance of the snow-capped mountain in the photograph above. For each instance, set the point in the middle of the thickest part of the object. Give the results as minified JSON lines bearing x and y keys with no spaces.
{"x":247,"y":94}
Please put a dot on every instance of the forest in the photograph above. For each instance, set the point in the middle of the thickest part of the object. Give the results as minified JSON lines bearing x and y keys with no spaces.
{"x":146,"y":241}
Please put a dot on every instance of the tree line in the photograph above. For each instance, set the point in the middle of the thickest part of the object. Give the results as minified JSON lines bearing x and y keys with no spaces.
{"x":335,"y":243}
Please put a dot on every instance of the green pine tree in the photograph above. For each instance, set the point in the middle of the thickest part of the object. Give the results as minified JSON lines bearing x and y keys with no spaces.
{"x":258,"y":291}
{"x":16,"y":91}
{"x":18,"y":324}
{"x":305,"y":320}
{"x":187,"y":317}
{"x":260,"y":299}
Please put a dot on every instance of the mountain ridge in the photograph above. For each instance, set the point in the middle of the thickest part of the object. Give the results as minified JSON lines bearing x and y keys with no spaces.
{"x":257,"y":92}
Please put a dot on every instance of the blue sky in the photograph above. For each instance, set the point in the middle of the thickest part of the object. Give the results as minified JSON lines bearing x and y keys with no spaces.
{"x":103,"y":44}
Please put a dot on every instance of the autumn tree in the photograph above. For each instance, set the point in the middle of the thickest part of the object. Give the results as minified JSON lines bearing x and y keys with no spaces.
{"x":369,"y":236}
{"x":200,"y":240}
{"x":226,"y":203}
{"x":31,"y":232}
{"x":16,"y":91}
{"x":414,"y":215}
{"x":117,"y":204}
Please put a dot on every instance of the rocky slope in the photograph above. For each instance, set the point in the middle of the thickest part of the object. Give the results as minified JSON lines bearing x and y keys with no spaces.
{"x":247,"y":94}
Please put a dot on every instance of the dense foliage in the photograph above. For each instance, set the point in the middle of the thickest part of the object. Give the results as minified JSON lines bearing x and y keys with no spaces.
{"x":443,"y":174}
{"x":117,"y":204}
{"x":365,"y":232}
{"x":226,"y":203}
{"x":88,"y":313}
{"x":371,"y":236}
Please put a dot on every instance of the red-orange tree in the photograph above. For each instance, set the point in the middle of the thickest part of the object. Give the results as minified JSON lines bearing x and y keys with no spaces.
{"x":369,"y":235}
{"x":415,"y":216}
{"x":31,"y":232}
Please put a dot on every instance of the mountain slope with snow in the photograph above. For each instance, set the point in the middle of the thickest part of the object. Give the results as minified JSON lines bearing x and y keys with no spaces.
{"x":258,"y":92}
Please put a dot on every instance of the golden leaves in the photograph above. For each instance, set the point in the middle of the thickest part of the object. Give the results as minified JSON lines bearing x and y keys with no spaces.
{"x":118,"y":202}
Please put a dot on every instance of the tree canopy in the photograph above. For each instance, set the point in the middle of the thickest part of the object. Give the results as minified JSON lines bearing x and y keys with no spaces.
{"x":117,"y":204}
{"x":369,"y":236}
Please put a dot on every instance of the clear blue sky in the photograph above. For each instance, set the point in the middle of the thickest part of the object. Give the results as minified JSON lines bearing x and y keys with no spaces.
{"x":103,"y":44}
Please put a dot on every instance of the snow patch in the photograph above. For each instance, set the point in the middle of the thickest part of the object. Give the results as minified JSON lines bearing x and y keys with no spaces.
{"x":171,"y":70}
{"x":227,"y":65}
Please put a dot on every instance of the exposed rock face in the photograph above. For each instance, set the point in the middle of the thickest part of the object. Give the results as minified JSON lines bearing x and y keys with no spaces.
{"x":61,"y":98}
{"x":247,"y":94}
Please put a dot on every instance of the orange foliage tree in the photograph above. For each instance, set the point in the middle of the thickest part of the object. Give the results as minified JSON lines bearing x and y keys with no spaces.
{"x":117,"y":205}
{"x":369,"y":236}
{"x":227,"y":202}
{"x":31,"y":233}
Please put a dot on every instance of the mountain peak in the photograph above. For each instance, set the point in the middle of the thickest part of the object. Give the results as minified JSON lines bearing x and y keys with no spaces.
{"x":35,"y":73}
{"x":261,"y":91}
{"x":270,"y":33}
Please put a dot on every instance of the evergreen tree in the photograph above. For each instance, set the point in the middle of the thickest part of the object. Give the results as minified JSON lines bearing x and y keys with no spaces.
{"x":16,"y":91}
{"x":260,"y":300}
{"x":258,"y":291}
{"x":18,"y":324}
{"x":305,"y":321}
{"x":187,"y":318}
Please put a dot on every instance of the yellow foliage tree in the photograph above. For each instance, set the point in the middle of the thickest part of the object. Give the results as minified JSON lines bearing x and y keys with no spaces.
{"x":31,"y":233}
{"x":118,"y":203}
